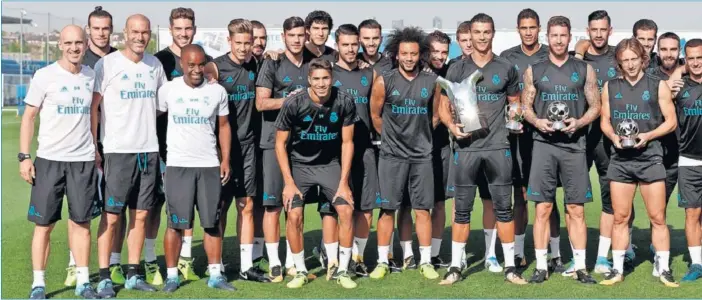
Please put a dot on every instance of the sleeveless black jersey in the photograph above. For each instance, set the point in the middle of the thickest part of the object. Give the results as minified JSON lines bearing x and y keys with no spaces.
{"x":407,"y":116}
{"x":240,"y":83}
{"x":281,"y":77}
{"x":689,"y":111}
{"x":440,"y":136}
{"x":358,"y":83}
{"x":567,"y":85}
{"x":639,"y":103}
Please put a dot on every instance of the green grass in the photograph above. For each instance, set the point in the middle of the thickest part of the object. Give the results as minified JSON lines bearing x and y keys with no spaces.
{"x":17,"y":271}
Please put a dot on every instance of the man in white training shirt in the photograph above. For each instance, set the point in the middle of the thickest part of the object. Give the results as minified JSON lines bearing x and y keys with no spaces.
{"x":61,"y":94}
{"x":195,"y":174}
{"x":126,"y":83}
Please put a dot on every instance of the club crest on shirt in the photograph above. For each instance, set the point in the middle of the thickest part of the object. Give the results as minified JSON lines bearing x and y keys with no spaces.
{"x":495,"y":79}
{"x":364,"y":81}
{"x":251,"y":75}
{"x":574,"y":77}
{"x":611,"y":72}
{"x":333,"y":117}
{"x":206,"y":100}
{"x":425,"y":93}
{"x":646,"y":96}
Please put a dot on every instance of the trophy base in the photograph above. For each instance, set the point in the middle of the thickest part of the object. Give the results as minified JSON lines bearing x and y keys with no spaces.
{"x":513,"y":126}
{"x":628,"y":143}
{"x":558,"y":125}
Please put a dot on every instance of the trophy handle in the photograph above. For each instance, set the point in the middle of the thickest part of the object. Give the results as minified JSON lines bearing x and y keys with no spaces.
{"x":446,"y":85}
{"x":473,"y":78}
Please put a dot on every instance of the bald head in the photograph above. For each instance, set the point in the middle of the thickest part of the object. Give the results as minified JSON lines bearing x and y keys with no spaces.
{"x":72,"y":44}
{"x":194,"y":48}
{"x":136,"y":19}
{"x":137,"y":33}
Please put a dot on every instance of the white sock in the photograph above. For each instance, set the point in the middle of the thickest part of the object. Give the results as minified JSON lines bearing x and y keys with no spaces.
{"x":490,"y":240}
{"x":215,"y":270}
{"x":618,"y":258}
{"x":246,"y":256}
{"x":541,"y":259}
{"x":71,"y":259}
{"x":695,"y":254}
{"x":631,"y":245}
{"x":508,"y":252}
{"x":359,"y":247}
{"x":38,"y":279}
{"x":344,"y":258}
{"x":82,"y":275}
{"x":149,"y":250}
{"x":579,"y":258}
{"x":272,"y":250}
{"x":519,"y":245}
{"x":435,"y":247}
{"x":663,"y":257}
{"x":299,"y":260}
{"x":171,"y":272}
{"x":115,"y":258}
{"x":555,"y":244}
{"x":186,"y":247}
{"x":406,"y":249}
{"x":258,"y":248}
{"x":332,"y":252}
{"x":425,"y":255}
{"x":457,"y":253}
{"x":603,"y":248}
{"x":383,"y":254}
{"x":289,"y":262}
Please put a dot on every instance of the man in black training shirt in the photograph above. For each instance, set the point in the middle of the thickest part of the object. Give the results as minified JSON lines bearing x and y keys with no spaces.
{"x":689,"y":111}
{"x":404,"y":103}
{"x":464,"y":42}
{"x":312,"y":127}
{"x":560,"y":154}
{"x":260,"y":37}
{"x":237,"y":74}
{"x":485,"y":152}
{"x":318,"y":25}
{"x":527,"y":53}
{"x":357,"y":83}
{"x":277,"y":80}
{"x":371,"y":35}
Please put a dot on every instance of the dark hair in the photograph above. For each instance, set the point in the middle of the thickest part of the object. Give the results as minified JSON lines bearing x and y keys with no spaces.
{"x":645,"y":24}
{"x":599,"y":15}
{"x":293,"y":22}
{"x":438,"y":36}
{"x":182,"y":13}
{"x":346,"y":29}
{"x":693,"y":43}
{"x":634,"y":45}
{"x":528,"y":13}
{"x":320,"y":63}
{"x":370,"y":24}
{"x":319,"y":16}
{"x":407,"y":35}
{"x":464,"y":27}
{"x":558,"y":21}
{"x":99,"y":13}
{"x":483,"y":18}
{"x":668,"y":35}
{"x":257,"y":24}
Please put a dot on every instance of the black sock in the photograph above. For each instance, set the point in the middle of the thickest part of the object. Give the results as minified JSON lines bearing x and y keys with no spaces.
{"x":132,"y":270}
{"x":104,"y":274}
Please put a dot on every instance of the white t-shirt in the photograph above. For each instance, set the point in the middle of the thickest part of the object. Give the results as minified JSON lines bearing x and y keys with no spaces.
{"x":129,"y":102}
{"x":192,"y":113}
{"x":64,"y":101}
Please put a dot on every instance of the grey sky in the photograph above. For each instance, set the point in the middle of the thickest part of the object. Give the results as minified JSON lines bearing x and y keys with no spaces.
{"x":674,"y":16}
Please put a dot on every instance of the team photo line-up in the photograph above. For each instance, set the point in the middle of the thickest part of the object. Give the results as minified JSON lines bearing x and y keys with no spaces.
{"x":357,"y":130}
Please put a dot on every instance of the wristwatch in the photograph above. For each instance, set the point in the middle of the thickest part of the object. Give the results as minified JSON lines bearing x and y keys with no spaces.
{"x":22,"y":156}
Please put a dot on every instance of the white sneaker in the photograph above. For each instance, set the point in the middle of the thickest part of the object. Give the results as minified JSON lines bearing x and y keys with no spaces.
{"x":570,"y":269}
{"x":493,"y":265}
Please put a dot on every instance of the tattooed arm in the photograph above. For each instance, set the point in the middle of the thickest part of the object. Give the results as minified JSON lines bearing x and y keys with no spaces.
{"x":594,"y":102}
{"x":527,"y":98}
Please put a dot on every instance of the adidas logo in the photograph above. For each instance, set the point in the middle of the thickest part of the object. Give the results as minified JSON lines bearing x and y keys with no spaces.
{"x":175,"y":73}
{"x":686,"y":94}
{"x":395,"y":93}
{"x":229,"y":79}
{"x":64,"y":89}
{"x":544,"y":79}
{"x":287,"y":79}
{"x":618,"y":96}
{"x":125,"y":77}
{"x":337,"y":83}
{"x":307,"y":118}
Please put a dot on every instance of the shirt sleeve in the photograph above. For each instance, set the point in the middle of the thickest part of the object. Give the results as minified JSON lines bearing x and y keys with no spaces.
{"x":162,"y":98}
{"x":99,"y":86}
{"x":350,"y":116}
{"x":223,"y":103}
{"x":287,"y":114}
{"x":266,"y":77}
{"x":37,"y":89}
{"x":512,"y":81}
{"x":160,"y":76}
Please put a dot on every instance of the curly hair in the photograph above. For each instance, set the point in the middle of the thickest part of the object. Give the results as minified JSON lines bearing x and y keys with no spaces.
{"x":407,"y":35}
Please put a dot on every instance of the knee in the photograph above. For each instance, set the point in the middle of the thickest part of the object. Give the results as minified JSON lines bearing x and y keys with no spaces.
{"x":693,"y":215}
{"x":543,"y":211}
{"x":244,"y":207}
{"x":462,"y":216}
{"x":621,"y":218}
{"x":657,"y":218}
{"x":111,"y":219}
{"x":141,"y":215}
{"x":421,"y":214}
{"x":575,"y":211}
{"x":295,"y":217}
{"x":439,"y":207}
{"x":344,"y":212}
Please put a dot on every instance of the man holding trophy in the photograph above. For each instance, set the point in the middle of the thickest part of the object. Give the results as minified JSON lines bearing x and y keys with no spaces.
{"x":486,"y":82}
{"x":637,"y":111}
{"x":561,"y":99}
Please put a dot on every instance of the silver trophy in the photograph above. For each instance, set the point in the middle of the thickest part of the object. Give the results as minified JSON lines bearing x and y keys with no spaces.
{"x":514,"y":114}
{"x":464,"y":100}
{"x":628,"y":130}
{"x":558,"y":112}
